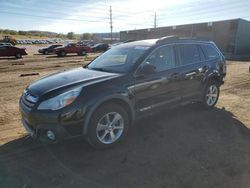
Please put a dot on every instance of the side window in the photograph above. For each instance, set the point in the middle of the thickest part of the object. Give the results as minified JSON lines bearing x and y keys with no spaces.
{"x":210,"y":52}
{"x":162,"y":58}
{"x":188,"y":54}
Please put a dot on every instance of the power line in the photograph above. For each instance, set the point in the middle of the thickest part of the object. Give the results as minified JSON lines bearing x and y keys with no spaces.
{"x":53,"y":18}
{"x":208,"y":9}
{"x":57,"y":12}
{"x":125,"y":17}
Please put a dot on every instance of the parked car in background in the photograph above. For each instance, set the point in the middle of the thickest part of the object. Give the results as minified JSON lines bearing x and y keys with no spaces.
{"x":12,"y":51}
{"x":102,"y":99}
{"x":48,"y":49}
{"x":9,"y":39}
{"x":100,"y":47}
{"x":5,"y":44}
{"x":72,"y":48}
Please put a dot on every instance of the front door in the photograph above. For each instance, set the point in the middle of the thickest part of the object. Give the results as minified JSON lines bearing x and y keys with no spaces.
{"x":158,"y":88}
{"x":71,"y":48}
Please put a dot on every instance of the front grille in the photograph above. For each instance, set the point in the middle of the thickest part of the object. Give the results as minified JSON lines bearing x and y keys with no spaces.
{"x":28,"y":100}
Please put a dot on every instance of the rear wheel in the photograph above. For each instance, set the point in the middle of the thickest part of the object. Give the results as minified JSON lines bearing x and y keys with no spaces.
{"x":211,"y":94}
{"x":18,"y":55}
{"x":108,"y":126}
{"x":62,"y":54}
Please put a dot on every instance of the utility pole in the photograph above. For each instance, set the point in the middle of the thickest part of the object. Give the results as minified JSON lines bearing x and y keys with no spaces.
{"x":155,"y":21}
{"x":111,"y":24}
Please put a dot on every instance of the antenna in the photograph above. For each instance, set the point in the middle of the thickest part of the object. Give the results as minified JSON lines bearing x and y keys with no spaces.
{"x":111,"y":25}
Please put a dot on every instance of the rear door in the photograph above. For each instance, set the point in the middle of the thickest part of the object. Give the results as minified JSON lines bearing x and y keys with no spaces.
{"x":160,"y":88}
{"x":191,"y":69}
{"x":71,"y":48}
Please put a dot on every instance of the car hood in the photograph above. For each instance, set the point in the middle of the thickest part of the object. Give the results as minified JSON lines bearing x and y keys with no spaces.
{"x":62,"y":80}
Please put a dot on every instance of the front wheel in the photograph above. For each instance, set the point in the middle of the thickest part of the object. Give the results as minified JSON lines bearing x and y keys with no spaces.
{"x":18,"y":55}
{"x":211,"y":95}
{"x":108,"y":126}
{"x":62,"y":54}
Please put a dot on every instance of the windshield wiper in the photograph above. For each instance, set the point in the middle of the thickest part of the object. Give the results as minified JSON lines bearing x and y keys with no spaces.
{"x":98,"y":69}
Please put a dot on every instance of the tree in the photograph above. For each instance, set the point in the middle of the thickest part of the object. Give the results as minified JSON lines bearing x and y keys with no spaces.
{"x":70,"y":35}
{"x":22,"y":32}
{"x":12,"y":32}
{"x":86,"y":36}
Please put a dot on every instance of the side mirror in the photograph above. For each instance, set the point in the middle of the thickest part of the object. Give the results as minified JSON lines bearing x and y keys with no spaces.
{"x":148,"y":69}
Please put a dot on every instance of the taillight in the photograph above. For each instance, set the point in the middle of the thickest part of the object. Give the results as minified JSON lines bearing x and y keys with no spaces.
{"x":224,"y":68}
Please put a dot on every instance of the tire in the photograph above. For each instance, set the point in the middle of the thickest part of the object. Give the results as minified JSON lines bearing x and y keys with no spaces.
{"x":82,"y":53}
{"x":211,"y":94}
{"x":18,"y":56}
{"x":46,"y":52}
{"x":102,"y":133}
{"x":62,"y":54}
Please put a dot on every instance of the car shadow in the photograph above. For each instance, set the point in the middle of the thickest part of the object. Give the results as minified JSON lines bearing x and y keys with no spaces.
{"x":55,"y":56}
{"x":9,"y":58}
{"x":182,"y":147}
{"x":40,"y":54}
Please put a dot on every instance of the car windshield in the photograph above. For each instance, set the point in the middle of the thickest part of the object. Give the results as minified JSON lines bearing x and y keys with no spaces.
{"x":118,"y":59}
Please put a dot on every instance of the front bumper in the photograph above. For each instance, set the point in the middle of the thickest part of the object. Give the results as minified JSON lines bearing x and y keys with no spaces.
{"x":64,"y":124}
{"x":39,"y":131}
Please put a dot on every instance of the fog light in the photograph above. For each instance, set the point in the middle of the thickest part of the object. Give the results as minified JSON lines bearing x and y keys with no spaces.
{"x":51,"y":135}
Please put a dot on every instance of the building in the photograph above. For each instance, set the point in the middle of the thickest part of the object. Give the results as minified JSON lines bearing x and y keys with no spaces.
{"x":106,"y":37}
{"x":231,"y":36}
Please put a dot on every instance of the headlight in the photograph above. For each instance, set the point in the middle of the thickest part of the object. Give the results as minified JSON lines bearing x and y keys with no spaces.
{"x":60,"y":101}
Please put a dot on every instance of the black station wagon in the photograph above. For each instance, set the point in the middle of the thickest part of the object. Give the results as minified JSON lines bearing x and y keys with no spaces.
{"x":102,"y":99}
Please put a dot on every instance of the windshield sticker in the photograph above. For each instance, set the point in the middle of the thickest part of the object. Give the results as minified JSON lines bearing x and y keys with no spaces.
{"x":141,"y":47}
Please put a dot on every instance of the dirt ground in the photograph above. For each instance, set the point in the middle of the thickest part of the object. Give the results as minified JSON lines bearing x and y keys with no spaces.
{"x":185,"y":147}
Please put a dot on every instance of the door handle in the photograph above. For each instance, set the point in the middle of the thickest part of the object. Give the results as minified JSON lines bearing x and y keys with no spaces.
{"x":203,"y":69}
{"x":174,"y":75}
{"x":190,"y":74}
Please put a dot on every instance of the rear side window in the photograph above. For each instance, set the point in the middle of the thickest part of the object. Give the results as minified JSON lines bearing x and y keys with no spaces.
{"x":210,"y":52}
{"x":188,"y":54}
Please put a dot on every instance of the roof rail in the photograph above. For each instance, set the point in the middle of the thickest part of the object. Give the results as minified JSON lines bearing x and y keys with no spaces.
{"x":177,"y":38}
{"x":130,"y":40}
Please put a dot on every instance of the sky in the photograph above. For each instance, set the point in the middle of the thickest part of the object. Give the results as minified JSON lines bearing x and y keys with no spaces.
{"x":93,"y":16}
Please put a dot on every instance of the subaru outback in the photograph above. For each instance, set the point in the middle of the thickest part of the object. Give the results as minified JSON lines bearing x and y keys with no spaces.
{"x":101,"y":100}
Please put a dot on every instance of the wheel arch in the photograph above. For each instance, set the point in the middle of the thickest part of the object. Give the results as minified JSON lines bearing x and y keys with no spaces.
{"x":116,"y":99}
{"x":214,"y":76}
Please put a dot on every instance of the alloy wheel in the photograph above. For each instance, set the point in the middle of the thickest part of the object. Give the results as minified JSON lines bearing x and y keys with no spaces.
{"x":110,"y":128}
{"x":211,"y":95}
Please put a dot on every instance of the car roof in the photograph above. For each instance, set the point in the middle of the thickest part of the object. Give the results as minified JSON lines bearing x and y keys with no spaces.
{"x":149,"y":42}
{"x":166,"y":40}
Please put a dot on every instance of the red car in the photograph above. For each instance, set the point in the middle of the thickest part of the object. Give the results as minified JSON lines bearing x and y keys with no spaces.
{"x":12,"y":51}
{"x":72,"y":48}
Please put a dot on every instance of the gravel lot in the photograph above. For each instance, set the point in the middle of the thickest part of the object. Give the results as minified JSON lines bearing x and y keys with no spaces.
{"x":185,"y":147}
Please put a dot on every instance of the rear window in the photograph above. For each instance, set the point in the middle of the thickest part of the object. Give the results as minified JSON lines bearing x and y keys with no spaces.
{"x":188,"y":54}
{"x":210,"y":52}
